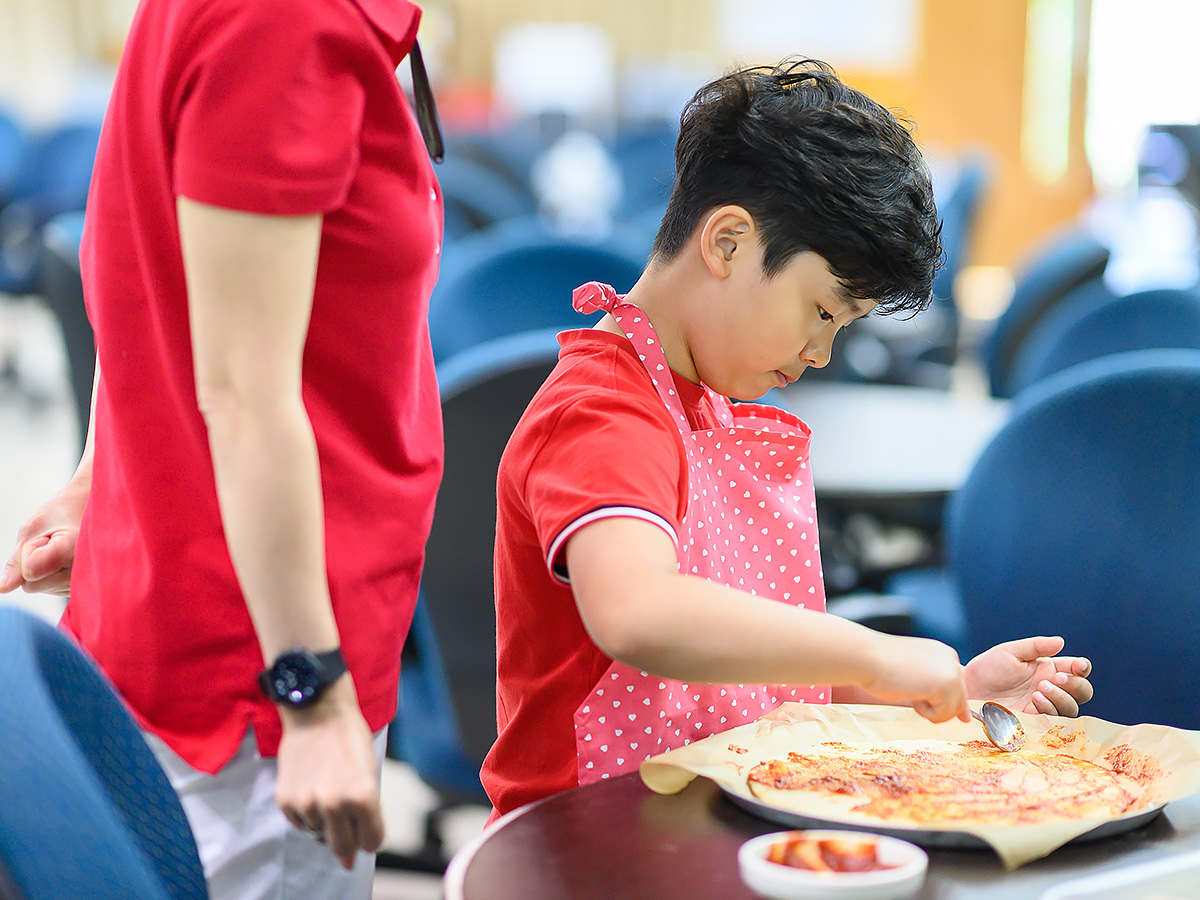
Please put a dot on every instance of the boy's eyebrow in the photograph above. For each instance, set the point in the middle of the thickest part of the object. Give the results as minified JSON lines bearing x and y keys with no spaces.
{"x":843,"y":296}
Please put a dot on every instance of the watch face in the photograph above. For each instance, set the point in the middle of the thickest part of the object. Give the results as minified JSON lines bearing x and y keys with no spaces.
{"x":296,"y":679}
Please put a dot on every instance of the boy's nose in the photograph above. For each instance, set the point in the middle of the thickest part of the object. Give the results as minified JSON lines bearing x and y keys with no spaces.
{"x":817,"y":353}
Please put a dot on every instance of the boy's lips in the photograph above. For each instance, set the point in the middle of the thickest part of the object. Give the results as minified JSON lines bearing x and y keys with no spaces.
{"x":787,"y":379}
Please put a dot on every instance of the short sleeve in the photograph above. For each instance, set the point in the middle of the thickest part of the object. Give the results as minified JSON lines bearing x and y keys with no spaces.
{"x":606,"y":450}
{"x":269,"y":107}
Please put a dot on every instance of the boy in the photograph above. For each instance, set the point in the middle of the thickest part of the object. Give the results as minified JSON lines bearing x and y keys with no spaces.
{"x":658,"y":574}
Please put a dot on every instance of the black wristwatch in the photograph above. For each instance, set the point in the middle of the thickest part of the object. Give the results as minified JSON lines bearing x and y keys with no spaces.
{"x":298,"y":677}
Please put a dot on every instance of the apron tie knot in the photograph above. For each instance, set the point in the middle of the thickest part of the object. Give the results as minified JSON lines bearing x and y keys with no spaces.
{"x":595,"y":296}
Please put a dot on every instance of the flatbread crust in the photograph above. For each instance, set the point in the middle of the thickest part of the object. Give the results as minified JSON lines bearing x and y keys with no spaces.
{"x":944,"y":784}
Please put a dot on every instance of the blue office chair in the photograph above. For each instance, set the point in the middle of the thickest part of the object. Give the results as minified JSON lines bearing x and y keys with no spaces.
{"x":446,"y":721}
{"x":509,"y":151}
{"x":475,"y":197}
{"x":645,"y":154}
{"x":1082,"y":518}
{"x":959,"y":209}
{"x":1088,"y":324}
{"x":62,"y":288}
{"x":86,"y":810}
{"x":518,"y":276}
{"x":1062,"y":264}
{"x":53,"y":177}
{"x":12,"y":151}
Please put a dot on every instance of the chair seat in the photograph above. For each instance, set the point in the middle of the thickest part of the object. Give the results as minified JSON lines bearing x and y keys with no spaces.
{"x":77,"y":776}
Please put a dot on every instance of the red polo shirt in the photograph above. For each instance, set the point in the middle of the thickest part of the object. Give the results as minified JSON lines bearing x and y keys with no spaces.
{"x":285,"y":107}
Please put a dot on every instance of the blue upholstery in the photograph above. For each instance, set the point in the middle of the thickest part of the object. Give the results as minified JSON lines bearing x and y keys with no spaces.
{"x":645,"y":154}
{"x":1088,"y":324}
{"x":518,"y":277}
{"x":1060,"y":265}
{"x":425,"y":733}
{"x":12,"y":150}
{"x":1082,"y":518}
{"x":959,"y":210}
{"x":53,"y":177}
{"x":475,"y":197}
{"x":86,"y":810}
{"x":62,"y":288}
{"x":446,"y":721}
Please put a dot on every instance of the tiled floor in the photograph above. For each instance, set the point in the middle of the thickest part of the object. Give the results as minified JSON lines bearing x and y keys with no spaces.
{"x":38,"y":451}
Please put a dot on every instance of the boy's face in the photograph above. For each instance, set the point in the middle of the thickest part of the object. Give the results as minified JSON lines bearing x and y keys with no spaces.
{"x":765,"y":332}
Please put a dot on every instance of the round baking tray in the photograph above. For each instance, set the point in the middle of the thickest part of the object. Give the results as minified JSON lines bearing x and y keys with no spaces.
{"x":927,"y":837}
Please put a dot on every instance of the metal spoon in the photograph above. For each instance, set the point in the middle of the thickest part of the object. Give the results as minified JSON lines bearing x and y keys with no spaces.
{"x":1001,"y":726}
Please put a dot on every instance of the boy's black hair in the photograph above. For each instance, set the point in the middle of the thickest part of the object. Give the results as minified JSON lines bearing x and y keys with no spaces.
{"x":821,"y":167}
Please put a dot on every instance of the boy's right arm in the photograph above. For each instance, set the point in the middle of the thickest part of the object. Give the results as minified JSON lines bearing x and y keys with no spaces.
{"x":641,"y":610}
{"x":41,"y":562}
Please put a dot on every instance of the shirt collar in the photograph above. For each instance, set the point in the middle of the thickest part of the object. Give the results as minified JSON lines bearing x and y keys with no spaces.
{"x":395,"y":20}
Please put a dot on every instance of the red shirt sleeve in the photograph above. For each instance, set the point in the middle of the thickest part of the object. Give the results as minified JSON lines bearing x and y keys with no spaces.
{"x":605,"y":449}
{"x":270,"y":106}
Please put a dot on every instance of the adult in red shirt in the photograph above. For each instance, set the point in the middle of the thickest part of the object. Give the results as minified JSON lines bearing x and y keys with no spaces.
{"x":262,"y":235}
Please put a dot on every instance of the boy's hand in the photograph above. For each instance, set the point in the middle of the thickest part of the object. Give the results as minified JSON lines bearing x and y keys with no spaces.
{"x":923,"y":673}
{"x":1026,"y":676}
{"x":41,"y":562}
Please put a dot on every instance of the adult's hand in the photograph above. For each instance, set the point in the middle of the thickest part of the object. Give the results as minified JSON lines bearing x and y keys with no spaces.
{"x":328,"y":776}
{"x":45,"y":551}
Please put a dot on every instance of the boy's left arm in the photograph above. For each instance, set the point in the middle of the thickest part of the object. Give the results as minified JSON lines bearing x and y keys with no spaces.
{"x":1026,"y":676}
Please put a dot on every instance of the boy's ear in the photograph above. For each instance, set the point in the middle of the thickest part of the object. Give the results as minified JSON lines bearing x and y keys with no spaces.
{"x":724,"y":238}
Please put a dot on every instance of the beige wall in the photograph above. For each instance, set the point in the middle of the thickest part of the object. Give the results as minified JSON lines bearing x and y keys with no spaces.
{"x":48,"y":47}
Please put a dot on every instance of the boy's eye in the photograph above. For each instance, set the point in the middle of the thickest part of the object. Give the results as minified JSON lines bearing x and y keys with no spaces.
{"x":825,"y":317}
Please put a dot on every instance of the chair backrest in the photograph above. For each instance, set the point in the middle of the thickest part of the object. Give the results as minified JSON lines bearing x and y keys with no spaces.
{"x":62,"y":288}
{"x":53,"y":177}
{"x":959,"y":212}
{"x":646,"y":157}
{"x":475,"y":197}
{"x":519,"y":277}
{"x":58,"y":167}
{"x":12,"y":149}
{"x":86,"y":811}
{"x":1082,"y":518}
{"x":1090,"y":324}
{"x":484,"y":392}
{"x":1062,"y":264}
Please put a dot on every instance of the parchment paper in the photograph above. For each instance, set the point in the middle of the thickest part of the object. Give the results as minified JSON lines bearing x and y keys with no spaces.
{"x":798,"y":727}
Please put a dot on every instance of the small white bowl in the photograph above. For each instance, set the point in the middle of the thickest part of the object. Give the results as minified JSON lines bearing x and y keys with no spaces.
{"x":781,"y":882}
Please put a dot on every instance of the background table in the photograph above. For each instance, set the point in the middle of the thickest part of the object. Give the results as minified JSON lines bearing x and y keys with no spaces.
{"x":616,"y":838}
{"x":872,"y":440}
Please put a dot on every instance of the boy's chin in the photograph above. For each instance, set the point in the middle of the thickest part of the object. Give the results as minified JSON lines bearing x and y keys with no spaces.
{"x":771,"y":398}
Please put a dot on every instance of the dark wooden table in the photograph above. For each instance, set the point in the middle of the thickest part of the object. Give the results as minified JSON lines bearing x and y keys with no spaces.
{"x":618,"y":839}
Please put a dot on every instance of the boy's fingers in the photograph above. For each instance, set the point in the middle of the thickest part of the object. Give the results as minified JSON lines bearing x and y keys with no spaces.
{"x":1033,"y":648}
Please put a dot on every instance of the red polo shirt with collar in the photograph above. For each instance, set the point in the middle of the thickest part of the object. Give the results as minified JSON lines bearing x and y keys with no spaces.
{"x":281,"y":107}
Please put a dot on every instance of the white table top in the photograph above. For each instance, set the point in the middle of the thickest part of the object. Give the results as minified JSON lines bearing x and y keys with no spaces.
{"x":871,"y":440}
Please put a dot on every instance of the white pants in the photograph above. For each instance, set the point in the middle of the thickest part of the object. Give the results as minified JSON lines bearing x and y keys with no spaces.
{"x":248,"y":849}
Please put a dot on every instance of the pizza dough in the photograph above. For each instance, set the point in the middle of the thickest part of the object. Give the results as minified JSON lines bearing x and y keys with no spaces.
{"x":943,"y":783}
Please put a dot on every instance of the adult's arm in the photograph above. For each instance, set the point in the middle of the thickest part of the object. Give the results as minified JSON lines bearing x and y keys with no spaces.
{"x":250,"y":282}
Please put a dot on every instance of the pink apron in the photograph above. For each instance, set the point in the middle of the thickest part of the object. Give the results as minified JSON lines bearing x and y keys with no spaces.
{"x":751,"y":523}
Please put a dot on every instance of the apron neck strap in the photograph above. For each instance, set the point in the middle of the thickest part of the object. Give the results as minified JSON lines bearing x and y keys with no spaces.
{"x":596,"y":296}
